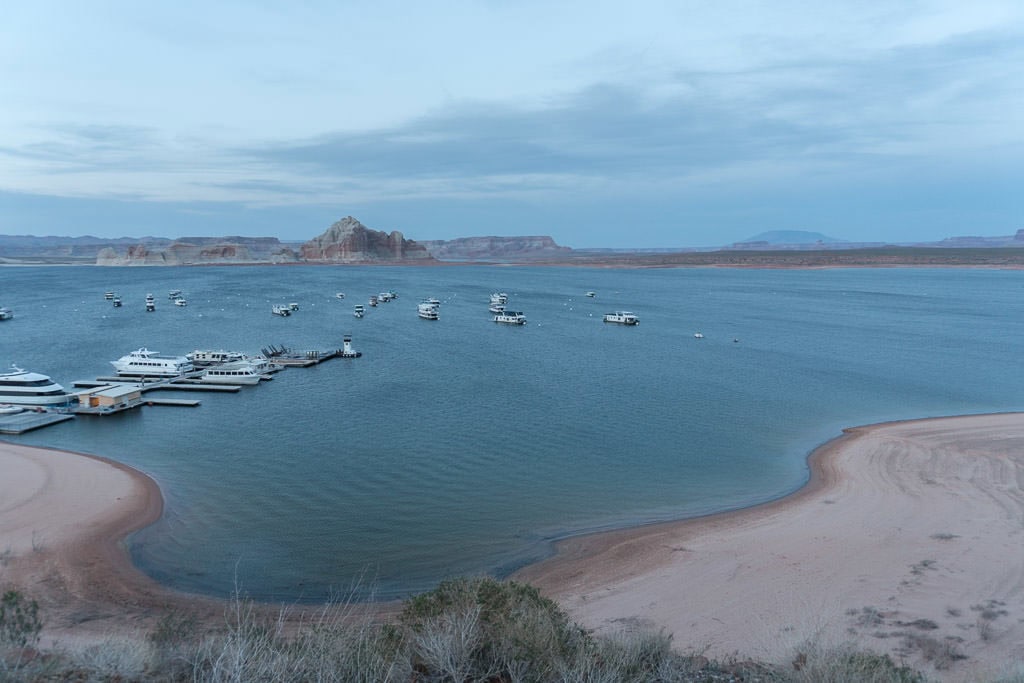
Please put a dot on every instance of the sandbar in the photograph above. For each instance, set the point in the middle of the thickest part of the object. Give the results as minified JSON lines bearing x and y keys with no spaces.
{"x":908,"y":540}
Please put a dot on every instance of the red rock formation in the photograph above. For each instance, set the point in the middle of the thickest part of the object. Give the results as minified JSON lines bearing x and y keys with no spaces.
{"x":349,"y":241}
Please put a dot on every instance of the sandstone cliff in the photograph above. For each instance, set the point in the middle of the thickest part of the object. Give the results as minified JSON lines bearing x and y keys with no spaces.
{"x":202,"y":250}
{"x":495,"y":248}
{"x":349,"y":241}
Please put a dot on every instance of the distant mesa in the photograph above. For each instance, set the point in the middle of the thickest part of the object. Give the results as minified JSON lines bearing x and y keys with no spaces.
{"x":791,"y":237}
{"x":349,"y":241}
{"x":192,"y":250}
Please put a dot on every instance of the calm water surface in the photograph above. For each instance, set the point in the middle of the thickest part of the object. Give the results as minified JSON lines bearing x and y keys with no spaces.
{"x":461,"y":446}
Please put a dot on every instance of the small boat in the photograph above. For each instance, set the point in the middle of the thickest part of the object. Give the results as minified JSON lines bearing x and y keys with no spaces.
{"x":591,"y":294}
{"x":174,"y":294}
{"x":339,"y":295}
{"x":150,"y":303}
{"x":385,"y":297}
{"x":117,"y":302}
{"x":6,"y":313}
{"x":499,"y":298}
{"x":180,"y":302}
{"x":511,"y":318}
{"x":698,"y":335}
{"x":373,"y":301}
{"x":231,"y":373}
{"x":151,"y":364}
{"x":427,"y":311}
{"x":346,"y":349}
{"x":108,"y":295}
{"x":432,"y":302}
{"x":293,"y":306}
{"x":8,"y":409}
{"x":262,"y":365}
{"x":282,"y":310}
{"x":358,"y":311}
{"x":497,"y":308}
{"x":622,"y":318}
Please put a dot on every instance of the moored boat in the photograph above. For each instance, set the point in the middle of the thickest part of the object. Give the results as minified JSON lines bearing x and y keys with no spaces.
{"x":108,"y":295}
{"x":151,"y":364}
{"x":511,"y":318}
{"x":180,"y":301}
{"x":358,"y":311}
{"x":19,"y":387}
{"x":174,"y":294}
{"x":281,"y":310}
{"x":427,"y":311}
{"x":206,"y":357}
{"x":622,"y":318}
{"x":6,"y":313}
{"x":238,"y":372}
{"x":117,"y":302}
{"x":150,"y":303}
{"x":497,"y":308}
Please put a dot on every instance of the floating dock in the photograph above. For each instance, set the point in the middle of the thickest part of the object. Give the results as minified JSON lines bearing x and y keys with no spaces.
{"x":27,"y":420}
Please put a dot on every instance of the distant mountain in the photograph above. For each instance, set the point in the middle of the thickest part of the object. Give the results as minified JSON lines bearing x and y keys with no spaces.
{"x":495,"y":248}
{"x":349,"y":241}
{"x":791,"y":237}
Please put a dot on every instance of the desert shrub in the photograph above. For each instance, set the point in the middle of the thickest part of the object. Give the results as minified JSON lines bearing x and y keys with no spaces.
{"x":845,"y":665}
{"x":482,"y":628}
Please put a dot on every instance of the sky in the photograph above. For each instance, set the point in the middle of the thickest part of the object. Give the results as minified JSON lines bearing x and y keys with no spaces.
{"x":602,"y":124}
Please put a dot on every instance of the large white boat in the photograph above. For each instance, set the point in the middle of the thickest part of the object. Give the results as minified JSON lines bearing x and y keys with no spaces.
{"x":150,"y":303}
{"x":151,"y":364}
{"x":622,"y":318}
{"x":180,"y":301}
{"x":231,"y":373}
{"x":283,"y":310}
{"x":202,"y":357}
{"x":499,"y":298}
{"x":19,"y":387}
{"x":427,"y":311}
{"x":511,"y":318}
{"x":6,"y":314}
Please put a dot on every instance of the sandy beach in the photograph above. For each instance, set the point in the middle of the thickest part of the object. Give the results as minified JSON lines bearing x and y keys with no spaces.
{"x":906,"y":540}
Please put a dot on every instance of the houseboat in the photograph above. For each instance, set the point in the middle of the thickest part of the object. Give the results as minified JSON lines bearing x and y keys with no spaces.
{"x":282,"y":310}
{"x":231,"y":373}
{"x":622,"y":318}
{"x":358,"y":311}
{"x":6,"y":313}
{"x":511,"y":318}
{"x":146,"y":363}
{"x":427,"y":311}
{"x":204,"y":357}
{"x":150,"y":303}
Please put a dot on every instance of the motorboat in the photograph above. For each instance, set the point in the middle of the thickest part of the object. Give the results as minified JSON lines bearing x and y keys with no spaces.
{"x":20,"y":387}
{"x":373,"y":301}
{"x":499,"y":298}
{"x":427,"y":311}
{"x":180,"y":302}
{"x":346,"y":349}
{"x":340,"y":295}
{"x":6,"y":313}
{"x":281,"y":310}
{"x":108,"y":295}
{"x":8,"y":409}
{"x":432,"y":302}
{"x":497,"y":308}
{"x":117,"y":302}
{"x":511,"y":318}
{"x":293,"y":306}
{"x":204,"y":357}
{"x":622,"y":318}
{"x":239,"y":372}
{"x":150,"y":303}
{"x":174,"y":294}
{"x":591,"y":294}
{"x":146,"y":363}
{"x":358,"y":311}
{"x":698,"y":335}
{"x":385,"y":297}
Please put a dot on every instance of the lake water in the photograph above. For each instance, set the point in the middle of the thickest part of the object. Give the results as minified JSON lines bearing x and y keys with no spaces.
{"x":461,"y":446}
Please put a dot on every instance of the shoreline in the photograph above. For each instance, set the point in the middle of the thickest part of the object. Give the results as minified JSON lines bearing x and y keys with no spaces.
{"x":902,"y":535}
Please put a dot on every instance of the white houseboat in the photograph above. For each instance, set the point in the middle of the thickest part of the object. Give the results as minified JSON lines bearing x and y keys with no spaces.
{"x":20,"y":387}
{"x":150,"y":303}
{"x":231,"y":373}
{"x":427,"y":311}
{"x":511,"y":318}
{"x":282,"y":310}
{"x":203,"y":357}
{"x":180,"y":301}
{"x":146,"y":363}
{"x":358,"y":311}
{"x":622,"y":318}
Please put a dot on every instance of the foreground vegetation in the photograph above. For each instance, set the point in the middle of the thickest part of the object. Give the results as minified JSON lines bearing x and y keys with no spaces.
{"x":478,"y":630}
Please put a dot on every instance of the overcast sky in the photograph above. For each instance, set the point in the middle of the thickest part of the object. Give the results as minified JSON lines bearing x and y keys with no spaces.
{"x":602,"y":124}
